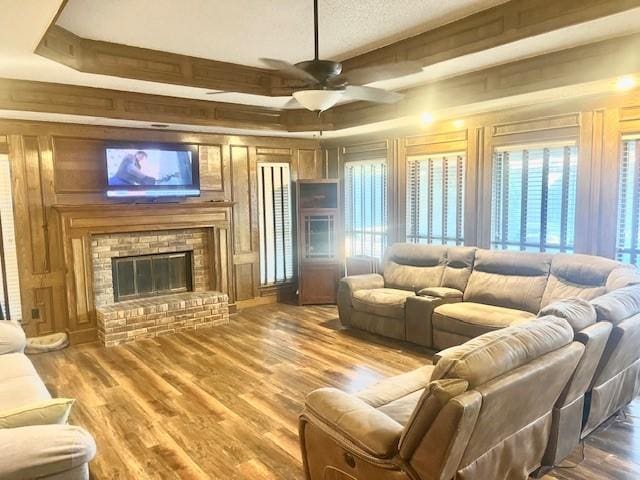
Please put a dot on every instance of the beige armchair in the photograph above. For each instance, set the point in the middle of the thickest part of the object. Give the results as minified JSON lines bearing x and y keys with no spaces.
{"x":478,"y":413}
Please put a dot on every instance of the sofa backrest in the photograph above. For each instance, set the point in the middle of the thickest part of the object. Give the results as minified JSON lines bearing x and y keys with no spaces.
{"x":508,"y":279}
{"x":409,"y":266}
{"x":458,"y":268}
{"x":575,"y":275}
{"x":503,"y":406}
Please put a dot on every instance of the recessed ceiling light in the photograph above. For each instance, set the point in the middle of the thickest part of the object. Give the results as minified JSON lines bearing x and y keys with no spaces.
{"x":625,"y":83}
{"x":458,"y":123}
{"x":426,"y":118}
{"x":159,"y":125}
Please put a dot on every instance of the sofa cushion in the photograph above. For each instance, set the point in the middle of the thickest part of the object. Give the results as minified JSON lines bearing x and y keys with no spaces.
{"x":413,"y":267}
{"x":473,"y":319}
{"x":508,"y":279}
{"x":12,"y":337}
{"x":623,"y":276}
{"x":19,"y":382}
{"x":385,"y":302}
{"x":46,"y":412}
{"x":392,"y":388}
{"x":401,"y":408}
{"x":579,"y":313}
{"x":486,"y":357}
{"x":618,"y":305}
{"x":575,"y":275}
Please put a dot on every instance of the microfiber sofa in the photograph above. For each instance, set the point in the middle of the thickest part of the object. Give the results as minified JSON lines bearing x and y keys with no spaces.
{"x":41,"y":451}
{"x":477,"y":413}
{"x":439,"y":296}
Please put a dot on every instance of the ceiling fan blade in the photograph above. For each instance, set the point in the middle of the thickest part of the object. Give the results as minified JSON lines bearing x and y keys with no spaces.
{"x":289,"y":69}
{"x":293,"y":103}
{"x":376,"y":73}
{"x":370,"y":94}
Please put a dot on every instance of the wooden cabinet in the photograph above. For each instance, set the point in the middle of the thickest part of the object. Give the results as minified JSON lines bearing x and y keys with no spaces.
{"x":318,"y":252}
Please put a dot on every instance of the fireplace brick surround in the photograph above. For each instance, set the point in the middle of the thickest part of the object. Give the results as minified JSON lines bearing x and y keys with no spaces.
{"x":100,"y":232}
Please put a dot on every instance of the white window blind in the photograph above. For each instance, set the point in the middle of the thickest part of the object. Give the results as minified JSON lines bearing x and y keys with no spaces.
{"x":276,"y":244}
{"x":534,"y":197}
{"x":628,"y":245}
{"x":435,"y":199}
{"x":365,"y":193}
{"x":12,"y":287}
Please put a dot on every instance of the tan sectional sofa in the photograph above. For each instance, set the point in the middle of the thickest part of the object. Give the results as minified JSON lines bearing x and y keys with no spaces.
{"x":39,"y":451}
{"x":440,"y":296}
{"x":598,"y":297}
{"x":477,"y":413}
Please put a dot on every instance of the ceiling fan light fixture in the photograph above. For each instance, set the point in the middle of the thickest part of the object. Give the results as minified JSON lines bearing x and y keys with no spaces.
{"x":318,"y":100}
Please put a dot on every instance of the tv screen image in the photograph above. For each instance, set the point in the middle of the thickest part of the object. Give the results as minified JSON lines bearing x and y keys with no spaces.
{"x":151,"y":172}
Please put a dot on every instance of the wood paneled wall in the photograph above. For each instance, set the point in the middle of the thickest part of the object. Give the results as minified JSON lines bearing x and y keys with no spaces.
{"x":56,"y":164}
{"x":596,"y":124}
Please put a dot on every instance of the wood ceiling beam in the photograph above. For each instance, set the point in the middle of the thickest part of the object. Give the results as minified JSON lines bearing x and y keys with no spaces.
{"x":588,"y":63}
{"x":23,"y":95}
{"x":500,"y":25}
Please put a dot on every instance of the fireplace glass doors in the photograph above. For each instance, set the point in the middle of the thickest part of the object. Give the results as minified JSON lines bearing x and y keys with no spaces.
{"x":150,"y":275}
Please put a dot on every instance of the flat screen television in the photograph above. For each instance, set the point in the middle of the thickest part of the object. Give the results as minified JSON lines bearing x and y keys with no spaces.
{"x":152,"y":171}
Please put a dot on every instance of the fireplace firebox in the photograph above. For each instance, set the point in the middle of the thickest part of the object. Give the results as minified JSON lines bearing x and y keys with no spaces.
{"x":150,"y":275}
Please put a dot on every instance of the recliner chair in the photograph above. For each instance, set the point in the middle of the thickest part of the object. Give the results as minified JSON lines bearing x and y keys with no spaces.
{"x":477,"y":413}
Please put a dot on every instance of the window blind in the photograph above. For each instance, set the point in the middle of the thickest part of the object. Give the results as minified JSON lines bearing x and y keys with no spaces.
{"x":12,"y":287}
{"x":627,"y":244}
{"x":274,"y":203}
{"x":365,"y":193}
{"x":435,"y":199}
{"x":534,"y":197}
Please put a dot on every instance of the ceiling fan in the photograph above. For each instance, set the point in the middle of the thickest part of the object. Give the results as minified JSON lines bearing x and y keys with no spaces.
{"x":324,"y":83}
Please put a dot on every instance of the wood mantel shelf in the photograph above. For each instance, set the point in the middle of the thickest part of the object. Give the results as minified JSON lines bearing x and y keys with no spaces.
{"x":77,"y":223}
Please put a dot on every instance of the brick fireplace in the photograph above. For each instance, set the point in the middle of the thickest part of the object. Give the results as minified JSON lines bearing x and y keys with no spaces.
{"x":154,"y":283}
{"x":146,"y":239}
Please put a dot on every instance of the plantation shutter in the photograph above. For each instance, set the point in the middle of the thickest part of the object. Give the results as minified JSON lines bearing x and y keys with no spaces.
{"x":627,"y":244}
{"x":435,"y":199}
{"x":274,"y":203}
{"x":534,"y":197}
{"x":365,"y":184}
{"x":11,"y":290}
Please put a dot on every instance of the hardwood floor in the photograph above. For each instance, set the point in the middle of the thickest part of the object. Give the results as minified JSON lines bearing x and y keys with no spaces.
{"x":222,"y":403}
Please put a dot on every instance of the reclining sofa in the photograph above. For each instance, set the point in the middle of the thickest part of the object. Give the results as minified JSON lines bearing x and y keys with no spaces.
{"x":477,"y":413}
{"x":439,"y":296}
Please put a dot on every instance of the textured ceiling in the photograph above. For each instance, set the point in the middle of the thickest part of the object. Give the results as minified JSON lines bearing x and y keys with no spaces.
{"x":241,"y":31}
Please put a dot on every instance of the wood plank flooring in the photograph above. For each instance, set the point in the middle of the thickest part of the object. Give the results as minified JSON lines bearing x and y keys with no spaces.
{"x":222,"y":403}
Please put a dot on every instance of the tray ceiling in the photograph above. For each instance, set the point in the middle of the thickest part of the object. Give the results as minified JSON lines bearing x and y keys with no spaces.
{"x":241,"y":31}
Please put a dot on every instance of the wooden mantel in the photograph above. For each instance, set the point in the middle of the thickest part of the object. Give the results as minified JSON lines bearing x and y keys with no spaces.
{"x":77,"y":223}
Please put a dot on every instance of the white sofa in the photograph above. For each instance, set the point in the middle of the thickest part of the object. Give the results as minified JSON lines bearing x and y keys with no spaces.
{"x":42,"y":451}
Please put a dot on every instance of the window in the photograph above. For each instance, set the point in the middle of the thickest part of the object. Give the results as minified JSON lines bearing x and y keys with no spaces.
{"x":628,"y":247}
{"x":435,"y":199}
{"x":365,"y":207}
{"x":274,"y":202}
{"x":9,"y":292}
{"x":534,"y":197}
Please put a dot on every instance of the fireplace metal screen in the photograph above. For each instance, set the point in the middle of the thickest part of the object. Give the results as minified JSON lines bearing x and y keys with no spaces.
{"x":149,"y":275}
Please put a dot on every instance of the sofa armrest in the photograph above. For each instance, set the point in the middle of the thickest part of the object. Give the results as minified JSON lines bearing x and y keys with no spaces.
{"x":362,"y":282}
{"x":355,"y":421}
{"x":12,"y":337}
{"x":43,"y":450}
{"x":418,"y":317}
{"x":441,"y":292}
{"x":349,"y":285}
